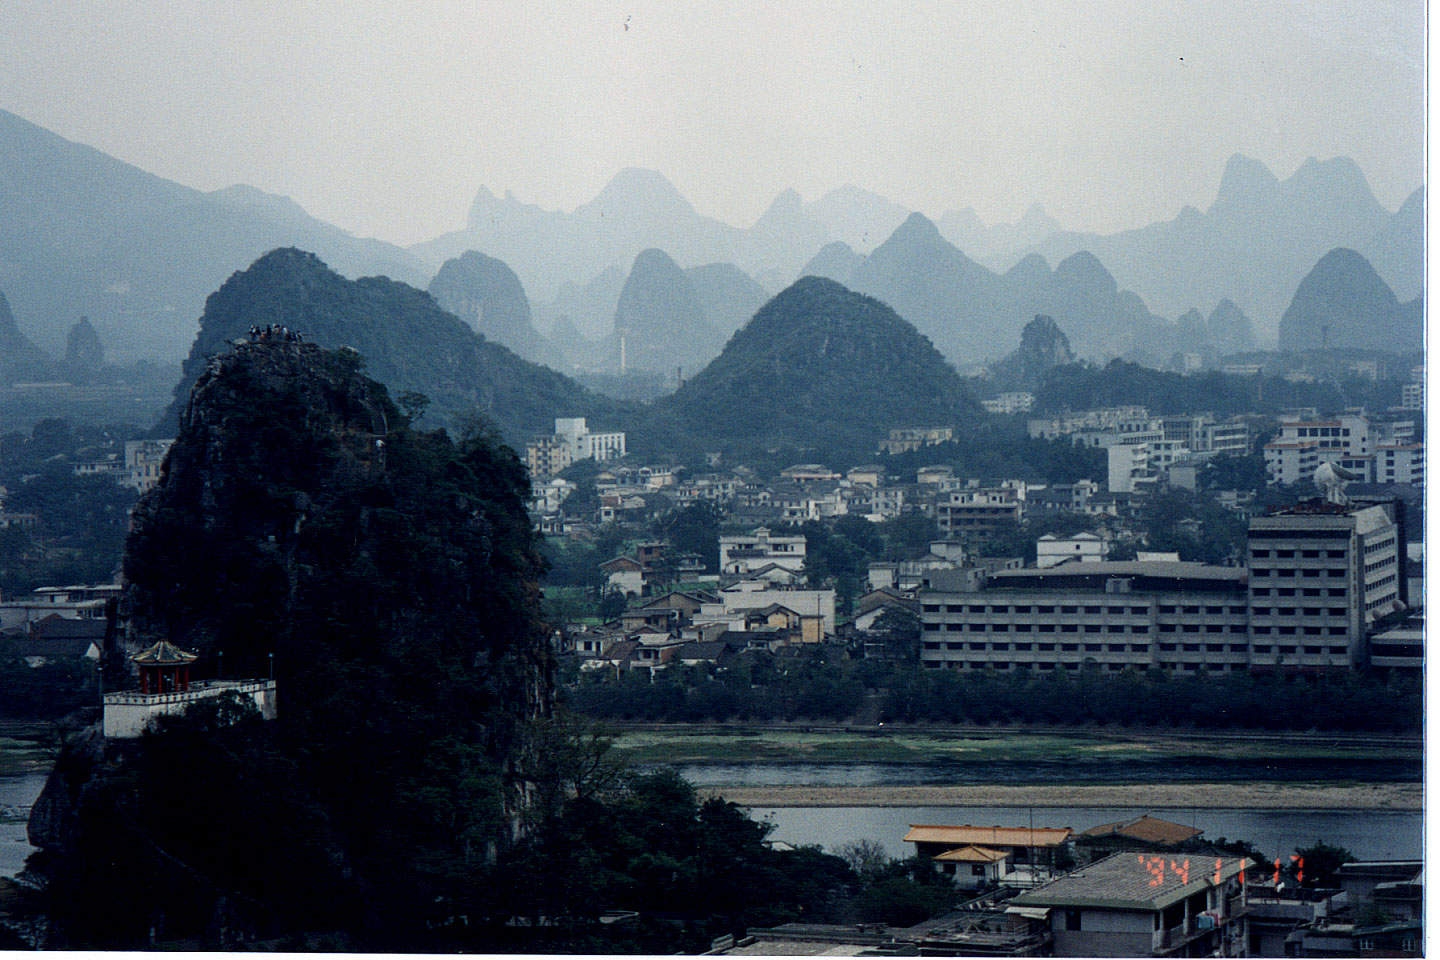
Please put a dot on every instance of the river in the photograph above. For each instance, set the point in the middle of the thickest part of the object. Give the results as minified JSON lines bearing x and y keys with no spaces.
{"x":16,"y":796}
{"x":1087,"y":770}
{"x":1368,"y":834}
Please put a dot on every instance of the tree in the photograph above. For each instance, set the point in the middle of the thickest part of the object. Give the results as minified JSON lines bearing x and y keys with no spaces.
{"x":414,"y":403}
{"x":1322,"y":863}
{"x":865,"y":857}
{"x":694,"y":529}
{"x":612,"y":605}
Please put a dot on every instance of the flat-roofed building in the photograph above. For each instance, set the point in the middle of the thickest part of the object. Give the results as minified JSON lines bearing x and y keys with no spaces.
{"x":1400,"y":648}
{"x":1140,"y":904}
{"x":1182,"y":617}
{"x":1320,"y":575}
{"x":744,"y":553}
{"x":979,"y":510}
{"x":1400,"y":463}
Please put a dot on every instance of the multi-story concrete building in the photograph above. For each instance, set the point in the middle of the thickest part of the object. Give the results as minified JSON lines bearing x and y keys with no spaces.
{"x":743,"y":554}
{"x":1107,"y":418}
{"x":571,"y":441}
{"x":1182,"y":617}
{"x":913,"y":438}
{"x":1130,"y":468}
{"x":1320,"y":575}
{"x":1051,"y":551}
{"x":1349,"y":440}
{"x":1136,"y":904}
{"x":1400,"y":463}
{"x":979,"y":510}
{"x":1016,"y":402}
{"x":547,"y":456}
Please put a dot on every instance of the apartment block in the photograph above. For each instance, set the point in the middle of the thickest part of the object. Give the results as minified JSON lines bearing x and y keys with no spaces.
{"x":744,"y":554}
{"x":1320,"y":575}
{"x":979,"y":510}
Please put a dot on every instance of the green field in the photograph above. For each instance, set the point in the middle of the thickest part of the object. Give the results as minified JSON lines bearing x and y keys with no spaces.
{"x":783,"y":746}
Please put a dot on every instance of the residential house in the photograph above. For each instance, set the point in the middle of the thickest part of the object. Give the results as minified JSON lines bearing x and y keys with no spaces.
{"x":626,"y":574}
{"x":1144,"y":832}
{"x":973,"y":867}
{"x":1137,"y":903}
{"x":742,"y":554}
{"x":1086,"y":547}
{"x":913,"y":438}
{"x":1034,"y":847}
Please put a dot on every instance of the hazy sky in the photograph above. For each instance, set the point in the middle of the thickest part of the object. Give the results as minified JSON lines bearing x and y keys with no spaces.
{"x":384,"y":117}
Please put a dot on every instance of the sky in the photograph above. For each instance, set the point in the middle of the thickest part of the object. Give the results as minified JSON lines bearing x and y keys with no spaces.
{"x":385,"y":117}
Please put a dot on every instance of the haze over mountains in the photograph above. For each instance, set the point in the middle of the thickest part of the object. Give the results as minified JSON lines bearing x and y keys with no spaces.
{"x":1259,"y":238}
{"x":409,"y":343}
{"x":86,"y":234}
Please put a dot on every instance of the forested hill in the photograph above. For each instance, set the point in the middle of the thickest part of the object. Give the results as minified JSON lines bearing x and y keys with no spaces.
{"x":818,"y":367}
{"x":388,"y":579}
{"x":409,"y":344}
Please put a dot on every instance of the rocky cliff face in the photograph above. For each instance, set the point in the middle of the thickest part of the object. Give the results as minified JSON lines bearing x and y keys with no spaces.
{"x":487,"y":294}
{"x":388,"y":577}
{"x":1042,"y":345}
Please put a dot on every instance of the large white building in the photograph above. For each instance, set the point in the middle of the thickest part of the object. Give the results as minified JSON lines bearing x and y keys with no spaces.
{"x":1350,"y":440}
{"x":746,"y":553}
{"x":1051,"y":551}
{"x":571,"y":441}
{"x":1320,"y":575}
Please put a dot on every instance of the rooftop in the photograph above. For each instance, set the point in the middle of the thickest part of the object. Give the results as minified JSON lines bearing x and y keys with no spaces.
{"x":1147,"y":828}
{"x":967,"y":835}
{"x":1134,"y":880}
{"x":971,"y":855}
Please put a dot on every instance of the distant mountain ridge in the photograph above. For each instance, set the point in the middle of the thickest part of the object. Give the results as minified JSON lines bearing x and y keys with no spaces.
{"x":1258,"y":239}
{"x":973,"y":314}
{"x":409,"y":343}
{"x":1343,"y":303}
{"x":20,"y":359}
{"x":88,"y":234}
{"x":487,"y":294}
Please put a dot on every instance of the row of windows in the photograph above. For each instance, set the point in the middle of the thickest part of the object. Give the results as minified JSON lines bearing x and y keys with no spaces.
{"x":1074,"y":608}
{"x":1112,"y":667}
{"x":1076,"y":628}
{"x":1027,"y":608}
{"x":1380,"y":544}
{"x":1290,"y":592}
{"x":1313,"y":651}
{"x":1091,"y":647}
{"x":1306,"y":554}
{"x":1308,"y":631}
{"x":1287,"y":572}
{"x":1307,"y":611}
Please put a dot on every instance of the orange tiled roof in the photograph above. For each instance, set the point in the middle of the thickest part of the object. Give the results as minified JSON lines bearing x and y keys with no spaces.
{"x":1147,"y":828}
{"x":964,"y":836}
{"x":971,"y":855}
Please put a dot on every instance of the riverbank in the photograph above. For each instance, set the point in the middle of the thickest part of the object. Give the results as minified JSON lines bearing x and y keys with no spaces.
{"x":1276,"y":796}
{"x":682,"y":745}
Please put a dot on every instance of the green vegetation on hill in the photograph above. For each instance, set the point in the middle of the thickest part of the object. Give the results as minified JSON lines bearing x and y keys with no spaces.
{"x":408,"y":341}
{"x":1084,"y":387}
{"x":391,"y":573}
{"x":818,"y":368}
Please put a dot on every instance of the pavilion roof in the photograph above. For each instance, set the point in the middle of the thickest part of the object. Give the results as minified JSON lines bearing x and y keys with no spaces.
{"x":164,"y":653}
